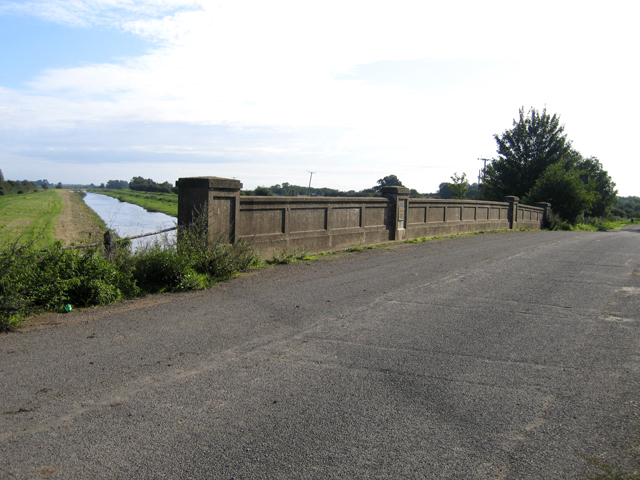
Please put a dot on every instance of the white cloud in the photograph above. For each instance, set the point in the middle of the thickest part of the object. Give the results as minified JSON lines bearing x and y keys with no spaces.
{"x":284,"y":66}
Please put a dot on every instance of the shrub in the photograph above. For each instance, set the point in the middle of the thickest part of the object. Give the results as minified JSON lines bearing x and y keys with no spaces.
{"x":33,"y":280}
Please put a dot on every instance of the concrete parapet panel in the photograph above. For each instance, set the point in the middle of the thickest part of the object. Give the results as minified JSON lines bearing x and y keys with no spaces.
{"x":468,"y":213}
{"x":417,"y":214}
{"x":308,"y":219}
{"x":376,"y":216}
{"x":436,"y":214}
{"x":261,"y":222}
{"x":346,"y":217}
{"x":454,"y":214}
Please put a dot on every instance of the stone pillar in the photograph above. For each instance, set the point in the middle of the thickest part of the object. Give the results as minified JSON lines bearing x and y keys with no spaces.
{"x":400,"y":196}
{"x":216,"y":200}
{"x":547,"y":212}
{"x":513,"y":211}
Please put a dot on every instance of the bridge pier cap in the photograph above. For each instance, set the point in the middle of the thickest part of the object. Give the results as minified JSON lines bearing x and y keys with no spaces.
{"x":216,"y":198}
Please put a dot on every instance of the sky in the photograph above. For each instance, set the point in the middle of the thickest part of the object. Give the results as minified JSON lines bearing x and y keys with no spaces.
{"x":267,"y":92}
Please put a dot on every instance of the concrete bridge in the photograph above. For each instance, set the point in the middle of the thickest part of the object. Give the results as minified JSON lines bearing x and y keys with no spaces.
{"x":333,"y":223}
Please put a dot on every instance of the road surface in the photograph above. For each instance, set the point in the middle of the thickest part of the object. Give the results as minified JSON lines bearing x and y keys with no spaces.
{"x":501,"y":356}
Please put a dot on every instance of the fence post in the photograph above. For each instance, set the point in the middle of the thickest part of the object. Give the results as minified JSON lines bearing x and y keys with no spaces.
{"x":216,"y":199}
{"x":109,"y":242}
{"x":400,"y":197}
{"x":513,"y":211}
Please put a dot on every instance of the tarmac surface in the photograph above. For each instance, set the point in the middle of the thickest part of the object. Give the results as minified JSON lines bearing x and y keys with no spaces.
{"x":495,"y":356}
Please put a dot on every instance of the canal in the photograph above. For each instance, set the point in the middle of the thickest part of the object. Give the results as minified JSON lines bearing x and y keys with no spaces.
{"x":127,"y":219}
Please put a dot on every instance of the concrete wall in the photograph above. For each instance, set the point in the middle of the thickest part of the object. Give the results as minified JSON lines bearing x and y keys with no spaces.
{"x":333,"y":223}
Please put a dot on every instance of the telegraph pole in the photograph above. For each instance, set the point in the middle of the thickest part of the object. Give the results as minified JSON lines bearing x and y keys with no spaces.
{"x":484,"y":169}
{"x":309,"y":189}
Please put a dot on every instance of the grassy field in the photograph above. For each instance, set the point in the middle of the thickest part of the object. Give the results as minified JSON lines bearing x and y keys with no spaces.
{"x":152,"y":202}
{"x":45,"y":216}
{"x":30,"y":217}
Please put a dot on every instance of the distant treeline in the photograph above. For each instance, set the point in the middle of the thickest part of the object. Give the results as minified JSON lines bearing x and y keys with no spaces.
{"x":141,"y":184}
{"x":288,"y":190}
{"x":8,"y":187}
{"x":628,"y":207}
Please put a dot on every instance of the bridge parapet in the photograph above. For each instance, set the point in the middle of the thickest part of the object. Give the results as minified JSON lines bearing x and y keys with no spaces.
{"x":320,"y":224}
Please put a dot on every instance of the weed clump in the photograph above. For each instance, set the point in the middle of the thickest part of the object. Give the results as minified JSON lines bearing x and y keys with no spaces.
{"x":33,"y":281}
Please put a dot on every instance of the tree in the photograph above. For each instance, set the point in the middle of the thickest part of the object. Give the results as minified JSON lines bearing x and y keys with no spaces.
{"x":600,"y":183}
{"x":388,"y":181}
{"x":459,"y":186}
{"x":1,"y":176}
{"x":561,"y":185}
{"x":117,"y":184}
{"x":148,"y":185}
{"x":59,"y":185}
{"x":536,"y":141}
{"x":444,"y":190}
{"x":263,"y":192}
{"x":472,"y":191}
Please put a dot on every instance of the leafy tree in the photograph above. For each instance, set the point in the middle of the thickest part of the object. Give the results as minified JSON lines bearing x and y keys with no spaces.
{"x":536,"y":141}
{"x":444,"y":190}
{"x":1,"y":176}
{"x":117,"y":184}
{"x":472,"y":191}
{"x":600,"y":183}
{"x":561,"y":185}
{"x":388,"y":181}
{"x":263,"y":192}
{"x":459,"y":186}
{"x":59,"y":185}
{"x":148,"y":185}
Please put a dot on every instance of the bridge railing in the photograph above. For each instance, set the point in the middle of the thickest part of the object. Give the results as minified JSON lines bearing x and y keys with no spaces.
{"x":332,"y":223}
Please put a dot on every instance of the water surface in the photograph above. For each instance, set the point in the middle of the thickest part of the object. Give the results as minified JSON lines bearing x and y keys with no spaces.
{"x":127,"y":219}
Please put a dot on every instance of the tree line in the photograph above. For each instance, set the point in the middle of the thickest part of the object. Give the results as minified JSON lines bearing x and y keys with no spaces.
{"x":141,"y":184}
{"x":538,"y":163}
{"x":287,"y":189}
{"x":9,"y":187}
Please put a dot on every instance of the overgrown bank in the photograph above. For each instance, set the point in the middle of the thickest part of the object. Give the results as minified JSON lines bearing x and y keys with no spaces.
{"x":33,"y":280}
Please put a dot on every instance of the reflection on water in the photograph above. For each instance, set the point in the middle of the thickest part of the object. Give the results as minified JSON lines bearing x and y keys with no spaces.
{"x":127,"y":219}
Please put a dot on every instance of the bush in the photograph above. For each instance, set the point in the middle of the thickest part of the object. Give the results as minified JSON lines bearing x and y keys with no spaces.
{"x":34,"y":280}
{"x":564,"y":190}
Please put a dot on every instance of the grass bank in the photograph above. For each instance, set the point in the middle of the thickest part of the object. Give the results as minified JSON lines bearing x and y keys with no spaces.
{"x":30,"y":218}
{"x":40,"y":218}
{"x":592,"y":225}
{"x":78,"y":223}
{"x":166,"y":203}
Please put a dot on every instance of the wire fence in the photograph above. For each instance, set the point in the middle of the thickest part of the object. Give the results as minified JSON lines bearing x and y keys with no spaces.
{"x":110,"y":238}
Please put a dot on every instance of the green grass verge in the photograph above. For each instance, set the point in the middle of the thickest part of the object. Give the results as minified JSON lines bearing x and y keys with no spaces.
{"x":30,"y":217}
{"x":594,"y":225}
{"x":166,"y":203}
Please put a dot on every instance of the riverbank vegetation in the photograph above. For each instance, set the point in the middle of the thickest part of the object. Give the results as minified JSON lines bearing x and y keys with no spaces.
{"x":166,"y":203}
{"x":34,"y":280}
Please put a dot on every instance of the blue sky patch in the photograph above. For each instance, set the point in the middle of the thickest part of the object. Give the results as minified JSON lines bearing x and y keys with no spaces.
{"x":28,"y":46}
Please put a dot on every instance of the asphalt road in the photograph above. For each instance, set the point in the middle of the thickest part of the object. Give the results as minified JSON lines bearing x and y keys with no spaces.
{"x":492,"y":356}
